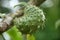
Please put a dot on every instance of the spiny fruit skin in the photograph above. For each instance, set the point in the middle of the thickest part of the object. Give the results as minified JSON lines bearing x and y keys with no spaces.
{"x":32,"y":19}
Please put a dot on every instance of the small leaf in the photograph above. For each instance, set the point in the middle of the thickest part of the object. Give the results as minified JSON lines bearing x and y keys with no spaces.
{"x":14,"y":33}
{"x":30,"y":37}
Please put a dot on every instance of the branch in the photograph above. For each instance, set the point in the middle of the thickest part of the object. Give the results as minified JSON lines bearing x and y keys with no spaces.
{"x":6,"y":23}
{"x":36,"y":2}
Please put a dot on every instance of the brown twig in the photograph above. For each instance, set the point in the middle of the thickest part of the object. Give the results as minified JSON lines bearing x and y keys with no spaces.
{"x":36,"y":2}
{"x":7,"y":21}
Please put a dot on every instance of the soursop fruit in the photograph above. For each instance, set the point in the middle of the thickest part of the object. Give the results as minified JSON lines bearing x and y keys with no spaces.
{"x":32,"y":19}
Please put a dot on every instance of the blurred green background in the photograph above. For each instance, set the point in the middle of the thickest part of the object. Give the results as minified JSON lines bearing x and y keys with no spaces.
{"x":52,"y":15}
{"x":50,"y":32}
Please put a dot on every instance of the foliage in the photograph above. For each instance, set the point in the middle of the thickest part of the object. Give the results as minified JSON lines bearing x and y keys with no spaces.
{"x":14,"y":33}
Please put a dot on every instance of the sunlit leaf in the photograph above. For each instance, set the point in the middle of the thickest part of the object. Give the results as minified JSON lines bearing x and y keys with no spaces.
{"x":30,"y":37}
{"x":14,"y":34}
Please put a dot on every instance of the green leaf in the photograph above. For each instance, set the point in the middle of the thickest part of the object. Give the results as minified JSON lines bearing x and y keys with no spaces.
{"x":30,"y":37}
{"x":14,"y":33}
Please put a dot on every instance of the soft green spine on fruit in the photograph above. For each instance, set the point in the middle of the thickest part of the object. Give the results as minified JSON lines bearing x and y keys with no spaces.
{"x":32,"y":19}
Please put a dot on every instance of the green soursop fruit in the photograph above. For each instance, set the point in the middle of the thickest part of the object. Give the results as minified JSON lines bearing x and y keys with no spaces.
{"x":32,"y":19}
